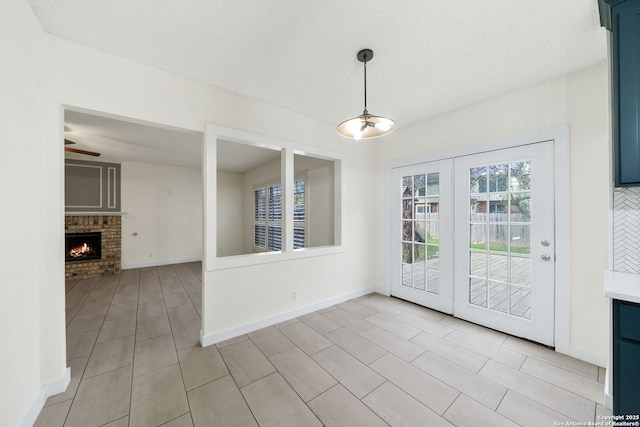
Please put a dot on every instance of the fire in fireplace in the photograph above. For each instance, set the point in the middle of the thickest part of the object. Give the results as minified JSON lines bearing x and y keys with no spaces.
{"x":82,"y":246}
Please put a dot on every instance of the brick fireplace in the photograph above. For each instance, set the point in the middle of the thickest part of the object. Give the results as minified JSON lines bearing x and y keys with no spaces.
{"x":110,"y":229}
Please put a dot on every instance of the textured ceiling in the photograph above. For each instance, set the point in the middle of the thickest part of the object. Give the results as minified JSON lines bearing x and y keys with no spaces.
{"x":430,"y":56}
{"x":117,"y":141}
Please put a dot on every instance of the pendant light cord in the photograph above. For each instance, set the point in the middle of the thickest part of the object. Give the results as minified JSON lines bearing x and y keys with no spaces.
{"x":365,"y":86}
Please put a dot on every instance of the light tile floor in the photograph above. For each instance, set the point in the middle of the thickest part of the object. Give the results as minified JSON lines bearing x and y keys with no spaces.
{"x":132,"y":346}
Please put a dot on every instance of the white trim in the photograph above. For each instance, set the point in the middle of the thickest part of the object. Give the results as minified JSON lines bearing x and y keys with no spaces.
{"x":245,"y":260}
{"x":158,"y":263}
{"x":516,"y":141}
{"x":210,"y":259}
{"x":49,"y":389}
{"x":100,"y":185}
{"x":207,"y":340}
{"x":109,"y":179}
{"x":388,"y":227}
{"x":562,"y":207}
{"x":608,"y":397}
{"x":585,"y":356}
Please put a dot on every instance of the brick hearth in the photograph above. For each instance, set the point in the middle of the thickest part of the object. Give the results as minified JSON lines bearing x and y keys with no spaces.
{"x":111,"y":229}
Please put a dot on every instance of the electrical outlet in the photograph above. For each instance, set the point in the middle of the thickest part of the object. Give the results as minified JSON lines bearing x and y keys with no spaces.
{"x":293,"y":295}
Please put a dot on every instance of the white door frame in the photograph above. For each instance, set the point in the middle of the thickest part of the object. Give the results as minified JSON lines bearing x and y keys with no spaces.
{"x":562,"y":213}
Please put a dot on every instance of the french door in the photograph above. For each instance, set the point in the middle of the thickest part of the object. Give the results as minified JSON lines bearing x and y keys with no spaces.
{"x":498,"y":271}
{"x":423,"y":230}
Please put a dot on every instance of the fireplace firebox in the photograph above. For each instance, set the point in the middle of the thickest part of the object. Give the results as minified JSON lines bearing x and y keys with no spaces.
{"x":83,"y":246}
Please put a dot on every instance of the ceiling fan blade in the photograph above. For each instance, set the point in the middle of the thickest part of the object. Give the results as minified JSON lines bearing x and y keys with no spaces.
{"x":67,"y":142}
{"x":75,"y":150}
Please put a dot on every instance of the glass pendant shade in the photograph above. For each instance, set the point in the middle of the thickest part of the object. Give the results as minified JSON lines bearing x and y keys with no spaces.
{"x":366,"y":126}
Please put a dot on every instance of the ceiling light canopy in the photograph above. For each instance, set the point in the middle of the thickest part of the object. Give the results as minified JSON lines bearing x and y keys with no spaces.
{"x":366,"y":126}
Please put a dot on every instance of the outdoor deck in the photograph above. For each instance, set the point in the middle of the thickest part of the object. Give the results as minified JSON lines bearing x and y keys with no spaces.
{"x":493,"y":282}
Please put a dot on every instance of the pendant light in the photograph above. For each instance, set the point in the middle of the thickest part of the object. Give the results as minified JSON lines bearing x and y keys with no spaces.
{"x":366,"y":126}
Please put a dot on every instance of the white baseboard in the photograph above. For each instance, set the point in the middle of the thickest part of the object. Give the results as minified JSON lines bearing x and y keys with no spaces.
{"x":207,"y":340}
{"x":583,"y":355}
{"x":47,"y":390}
{"x":159,"y":263}
{"x":608,"y":397}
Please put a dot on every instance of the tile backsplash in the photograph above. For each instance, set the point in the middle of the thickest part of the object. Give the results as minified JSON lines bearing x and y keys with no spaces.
{"x":626,"y":230}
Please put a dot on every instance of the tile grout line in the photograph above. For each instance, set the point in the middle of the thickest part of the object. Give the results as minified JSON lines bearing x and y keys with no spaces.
{"x":133,"y":362}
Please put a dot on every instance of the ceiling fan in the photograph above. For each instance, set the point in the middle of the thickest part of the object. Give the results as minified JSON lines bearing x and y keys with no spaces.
{"x":77,"y":150}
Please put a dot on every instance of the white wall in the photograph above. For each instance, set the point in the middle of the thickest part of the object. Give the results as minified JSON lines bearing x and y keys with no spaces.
{"x":26,"y":353}
{"x":85,"y":79}
{"x":230,"y":219}
{"x":320,"y":199}
{"x":42,"y":74}
{"x":587,"y":114}
{"x":260,"y":294}
{"x":578,"y":100}
{"x":163,"y":220}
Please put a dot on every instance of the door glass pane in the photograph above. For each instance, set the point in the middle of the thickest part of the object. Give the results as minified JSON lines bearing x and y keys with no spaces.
{"x":478,"y":207}
{"x":433,"y":235}
{"x":433,"y":184}
{"x":498,"y":207}
{"x":497,"y":178}
{"x":478,"y":292}
{"x":433,"y":281}
{"x":407,"y":275}
{"x":478,"y":180}
{"x":478,"y":236}
{"x":520,"y":176}
{"x":419,"y":189}
{"x":407,"y":231}
{"x":419,"y":279}
{"x":498,"y":296}
{"x":407,"y":253}
{"x":498,"y":267}
{"x":520,"y":207}
{"x":407,"y":186}
{"x":419,"y":254}
{"x":520,"y":239}
{"x":478,"y":262}
{"x":433,"y":256}
{"x":420,"y":231}
{"x":521,"y":302}
{"x":499,"y":237}
{"x":420,"y":208}
{"x":520,"y":270}
{"x":407,"y":208}
{"x":407,"y":264}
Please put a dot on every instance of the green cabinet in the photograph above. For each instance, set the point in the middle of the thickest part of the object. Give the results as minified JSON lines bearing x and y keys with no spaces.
{"x":626,"y":358}
{"x":622,"y":18}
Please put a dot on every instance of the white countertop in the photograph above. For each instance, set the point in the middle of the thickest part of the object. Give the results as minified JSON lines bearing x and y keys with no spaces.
{"x":622,"y":286}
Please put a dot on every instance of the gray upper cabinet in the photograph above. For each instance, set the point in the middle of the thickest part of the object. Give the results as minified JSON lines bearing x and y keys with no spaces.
{"x":622,"y":18}
{"x":92,"y":186}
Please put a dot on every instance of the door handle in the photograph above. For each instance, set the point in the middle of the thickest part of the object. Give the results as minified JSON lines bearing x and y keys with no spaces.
{"x":545,"y":257}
